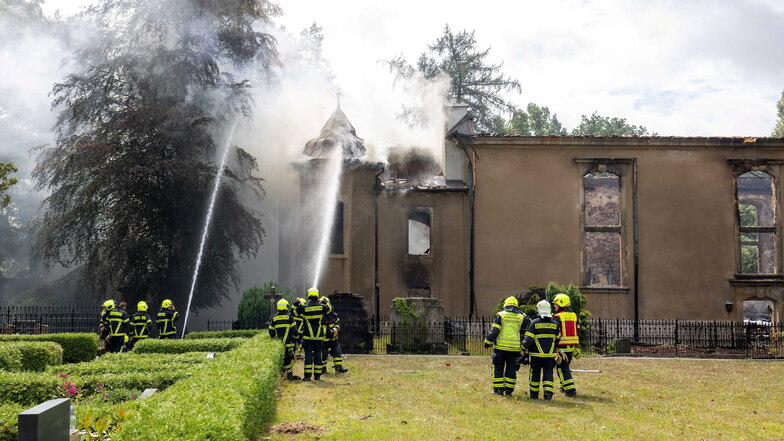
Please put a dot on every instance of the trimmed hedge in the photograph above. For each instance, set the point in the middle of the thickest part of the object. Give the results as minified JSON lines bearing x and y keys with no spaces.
{"x":8,"y":421}
{"x":231,"y":399}
{"x":124,"y":363}
{"x":76,"y":346}
{"x":27,"y":388}
{"x":10,"y":358}
{"x":183,"y":346}
{"x":37,"y":355}
{"x":237,"y":333}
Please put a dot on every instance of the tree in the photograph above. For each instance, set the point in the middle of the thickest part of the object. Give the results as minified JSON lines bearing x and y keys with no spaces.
{"x":597,"y":125}
{"x":778,"y":129}
{"x":134,"y":162}
{"x":474,"y":81}
{"x":534,"y":121}
{"x":253,"y":312}
{"x":6,"y":183}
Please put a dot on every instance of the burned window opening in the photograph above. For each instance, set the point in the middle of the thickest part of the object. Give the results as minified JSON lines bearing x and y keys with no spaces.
{"x":602,"y":229}
{"x":336,"y":245}
{"x":758,"y":311}
{"x":756,"y":211}
{"x":419,"y":223}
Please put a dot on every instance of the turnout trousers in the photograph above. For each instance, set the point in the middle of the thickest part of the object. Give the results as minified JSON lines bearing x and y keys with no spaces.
{"x":332,"y":347}
{"x":504,"y":371}
{"x":565,"y":376}
{"x":313,"y":362}
{"x":288,"y":358}
{"x":541,"y":375}
{"x":115,"y":343}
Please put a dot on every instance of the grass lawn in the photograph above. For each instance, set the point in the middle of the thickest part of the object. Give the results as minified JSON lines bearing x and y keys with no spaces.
{"x":448,"y":398}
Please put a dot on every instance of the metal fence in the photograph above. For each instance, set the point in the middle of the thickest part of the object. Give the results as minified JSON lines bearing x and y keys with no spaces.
{"x":48,"y":319}
{"x":463,"y":335}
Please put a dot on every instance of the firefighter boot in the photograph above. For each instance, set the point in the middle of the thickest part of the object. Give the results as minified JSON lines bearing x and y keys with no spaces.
{"x":498,"y":391}
{"x":291,"y":377}
{"x":340,"y":369}
{"x":548,"y":396}
{"x":307,"y":377}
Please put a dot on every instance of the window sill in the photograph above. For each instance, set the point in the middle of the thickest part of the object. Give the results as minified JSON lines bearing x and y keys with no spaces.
{"x":757,"y":280}
{"x":604,"y":289}
{"x":419,"y":256}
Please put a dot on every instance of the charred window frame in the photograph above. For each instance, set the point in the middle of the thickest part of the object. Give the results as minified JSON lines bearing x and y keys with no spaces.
{"x":604,"y":224}
{"x":337,"y":240}
{"x":757,"y":218}
{"x":419,"y":225}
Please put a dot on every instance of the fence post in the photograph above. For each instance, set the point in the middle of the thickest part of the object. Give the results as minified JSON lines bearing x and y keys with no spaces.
{"x":677,"y":340}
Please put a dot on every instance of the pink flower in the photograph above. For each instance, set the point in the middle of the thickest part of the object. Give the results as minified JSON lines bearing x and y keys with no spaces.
{"x":62,"y":375}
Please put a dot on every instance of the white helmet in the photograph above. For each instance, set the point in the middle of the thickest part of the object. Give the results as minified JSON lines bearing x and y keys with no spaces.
{"x":544,"y":309}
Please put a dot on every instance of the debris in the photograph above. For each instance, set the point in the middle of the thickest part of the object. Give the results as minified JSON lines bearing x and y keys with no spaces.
{"x":448,"y":364}
{"x":295,"y":428}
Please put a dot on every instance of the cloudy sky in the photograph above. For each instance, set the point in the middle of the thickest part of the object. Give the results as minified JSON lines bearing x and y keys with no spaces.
{"x":696,"y":68}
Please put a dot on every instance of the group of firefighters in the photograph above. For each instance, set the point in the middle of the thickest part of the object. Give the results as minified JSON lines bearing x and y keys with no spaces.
{"x":121,"y":331}
{"x":312,"y":324}
{"x":547,"y":342}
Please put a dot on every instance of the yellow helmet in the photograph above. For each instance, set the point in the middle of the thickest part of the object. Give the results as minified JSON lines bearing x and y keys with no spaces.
{"x":141,"y":306}
{"x":510,"y":301}
{"x":562,"y":300}
{"x":283,"y":305}
{"x":313,"y":292}
{"x":109,"y":304}
{"x":166,"y":303}
{"x":324,"y":299}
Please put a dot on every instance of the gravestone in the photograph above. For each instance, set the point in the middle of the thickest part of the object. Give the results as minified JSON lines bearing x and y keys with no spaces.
{"x":421,"y":334}
{"x":355,"y":334}
{"x":48,"y":421}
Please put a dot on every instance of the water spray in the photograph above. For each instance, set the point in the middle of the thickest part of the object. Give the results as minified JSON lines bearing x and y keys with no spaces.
{"x":207,"y":221}
{"x":331,"y":187}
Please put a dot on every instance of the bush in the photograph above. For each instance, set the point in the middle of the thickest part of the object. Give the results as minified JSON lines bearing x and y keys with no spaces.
{"x":187,"y":345}
{"x":253,"y":312}
{"x":10,"y":358}
{"x":231,"y":399}
{"x":37,"y":356}
{"x":8,"y":421}
{"x":239,"y":333}
{"x":27,"y":388}
{"x":126,"y":363}
{"x":76,"y":347}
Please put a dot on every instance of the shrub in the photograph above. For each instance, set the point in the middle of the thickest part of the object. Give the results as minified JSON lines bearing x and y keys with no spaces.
{"x":253,"y":312}
{"x":125,"y":363}
{"x":238,"y":333}
{"x":37,"y":356}
{"x":8,"y":421}
{"x":27,"y":388}
{"x":76,"y":346}
{"x":187,"y":345}
{"x":10,"y":358}
{"x":231,"y":399}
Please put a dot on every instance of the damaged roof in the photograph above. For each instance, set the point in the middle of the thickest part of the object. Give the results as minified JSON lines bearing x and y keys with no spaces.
{"x":337,"y":131}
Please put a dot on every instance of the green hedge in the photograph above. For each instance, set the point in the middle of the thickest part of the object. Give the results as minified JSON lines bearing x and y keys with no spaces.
{"x":182,"y":346}
{"x":8,"y":421}
{"x":231,"y":399}
{"x":124,"y":363}
{"x":10,"y":358}
{"x":76,"y":347}
{"x":238,"y":333}
{"x":27,"y":388}
{"x":37,"y":355}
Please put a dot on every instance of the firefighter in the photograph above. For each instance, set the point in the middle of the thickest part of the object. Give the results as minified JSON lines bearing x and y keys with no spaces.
{"x":103,"y":328}
{"x":505,"y":337}
{"x":312,"y":314}
{"x":284,"y":328}
{"x":541,"y":340}
{"x":140,"y":324}
{"x":568,"y":344}
{"x":330,"y":343}
{"x":116,"y":320}
{"x":166,"y":318}
{"x":297,"y":325}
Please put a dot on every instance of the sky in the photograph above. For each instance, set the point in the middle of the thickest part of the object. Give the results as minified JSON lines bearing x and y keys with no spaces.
{"x":696,"y":68}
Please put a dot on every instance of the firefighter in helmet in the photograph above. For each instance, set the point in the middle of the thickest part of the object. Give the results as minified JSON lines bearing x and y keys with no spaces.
{"x":568,"y":344}
{"x":116,"y":320}
{"x":284,"y":328}
{"x":166,"y":318}
{"x":506,"y":336}
{"x":312,"y":314}
{"x":331,"y":345}
{"x":140,"y":324}
{"x":541,"y":340}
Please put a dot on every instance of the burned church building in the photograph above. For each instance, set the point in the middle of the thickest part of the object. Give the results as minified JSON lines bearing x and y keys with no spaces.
{"x":648,"y":227}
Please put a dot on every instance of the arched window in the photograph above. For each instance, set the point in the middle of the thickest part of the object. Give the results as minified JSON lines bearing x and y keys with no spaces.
{"x":419,"y":232}
{"x":603,"y":252}
{"x":756,"y":211}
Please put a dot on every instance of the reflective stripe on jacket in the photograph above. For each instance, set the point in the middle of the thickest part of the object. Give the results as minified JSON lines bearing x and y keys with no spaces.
{"x":166,"y":321}
{"x":141,"y":324}
{"x":118,"y":322}
{"x":541,"y":337}
{"x":312,"y":314}
{"x":569,"y":326}
{"x":507,"y":329}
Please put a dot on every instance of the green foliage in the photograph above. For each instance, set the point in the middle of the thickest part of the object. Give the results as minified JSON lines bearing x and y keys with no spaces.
{"x":27,"y":388}
{"x":76,"y":346}
{"x":474,"y":80}
{"x":778,"y":129}
{"x":597,"y":125}
{"x":151,"y":346}
{"x":35,"y":356}
{"x":8,"y":421}
{"x":6,"y":182}
{"x":133,"y":362}
{"x":405,"y":310}
{"x":237,"y":333}
{"x":578,"y":300}
{"x":141,"y":122}
{"x":10,"y":358}
{"x":230,"y":400}
{"x":99,"y":422}
{"x":534,"y":121}
{"x":253,"y":311}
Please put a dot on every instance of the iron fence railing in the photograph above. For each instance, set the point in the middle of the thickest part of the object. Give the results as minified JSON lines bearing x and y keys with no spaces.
{"x":48,"y":319}
{"x":673,"y":338}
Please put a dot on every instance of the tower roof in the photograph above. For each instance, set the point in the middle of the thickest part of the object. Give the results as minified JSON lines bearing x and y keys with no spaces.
{"x":337,"y":131}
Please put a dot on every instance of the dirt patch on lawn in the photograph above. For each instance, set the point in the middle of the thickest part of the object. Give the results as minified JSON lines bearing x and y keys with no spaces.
{"x":296,"y":428}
